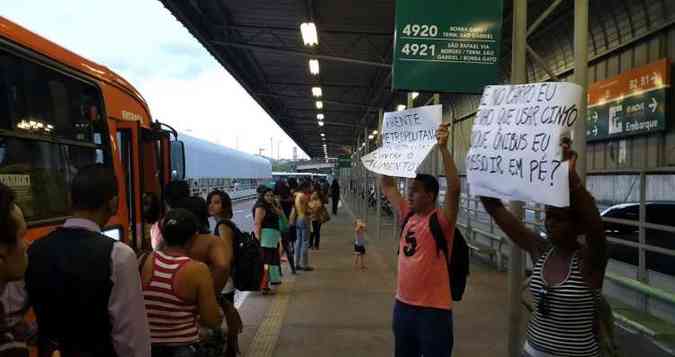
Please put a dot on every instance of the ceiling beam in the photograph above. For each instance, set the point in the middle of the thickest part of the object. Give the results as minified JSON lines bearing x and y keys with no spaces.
{"x":297,"y":29}
{"x":312,"y":99}
{"x":323,"y":84}
{"x":286,"y":51}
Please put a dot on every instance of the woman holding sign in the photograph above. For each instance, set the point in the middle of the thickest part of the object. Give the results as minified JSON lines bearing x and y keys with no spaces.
{"x":567,"y":277}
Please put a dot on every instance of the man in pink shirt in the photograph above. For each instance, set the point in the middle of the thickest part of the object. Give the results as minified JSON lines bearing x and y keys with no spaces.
{"x":422,"y":320}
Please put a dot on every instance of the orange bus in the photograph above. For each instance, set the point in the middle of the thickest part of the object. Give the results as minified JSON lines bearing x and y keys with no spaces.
{"x":60,"y":112}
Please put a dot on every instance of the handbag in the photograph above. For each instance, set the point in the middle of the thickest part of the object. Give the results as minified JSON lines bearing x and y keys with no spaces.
{"x":323,"y":215}
{"x":283,"y":224}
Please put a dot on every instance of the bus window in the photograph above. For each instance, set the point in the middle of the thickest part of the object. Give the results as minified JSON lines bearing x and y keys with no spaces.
{"x":50,"y":127}
{"x":177,"y":160}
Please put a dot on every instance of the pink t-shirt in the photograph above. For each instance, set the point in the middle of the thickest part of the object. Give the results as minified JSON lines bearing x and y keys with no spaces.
{"x":423,"y":278}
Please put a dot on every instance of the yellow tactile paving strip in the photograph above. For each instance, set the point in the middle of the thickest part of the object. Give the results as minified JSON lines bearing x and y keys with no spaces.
{"x":266,"y":337}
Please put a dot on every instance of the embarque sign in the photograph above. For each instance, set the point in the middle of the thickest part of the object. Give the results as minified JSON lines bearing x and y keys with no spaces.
{"x":515,"y":149}
{"x":631,"y":103}
{"x":447,"y":46}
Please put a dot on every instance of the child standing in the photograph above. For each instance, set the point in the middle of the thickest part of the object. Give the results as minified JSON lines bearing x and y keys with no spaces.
{"x":360,"y":245}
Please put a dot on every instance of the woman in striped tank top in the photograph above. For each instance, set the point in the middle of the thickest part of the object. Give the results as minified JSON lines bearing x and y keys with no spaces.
{"x":567,"y":277}
{"x":178,"y":290}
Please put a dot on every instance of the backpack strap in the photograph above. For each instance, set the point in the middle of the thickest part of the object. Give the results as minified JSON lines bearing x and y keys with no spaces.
{"x":439,"y":236}
{"x":229,"y":224}
{"x":405,"y":221}
{"x":141,"y":262}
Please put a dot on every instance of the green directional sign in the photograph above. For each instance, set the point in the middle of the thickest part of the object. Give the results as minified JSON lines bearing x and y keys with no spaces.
{"x":633,"y":115}
{"x":447,"y":46}
{"x":344,"y":161}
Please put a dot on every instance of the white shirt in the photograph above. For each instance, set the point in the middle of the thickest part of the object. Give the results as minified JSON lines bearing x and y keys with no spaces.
{"x":130,"y":331}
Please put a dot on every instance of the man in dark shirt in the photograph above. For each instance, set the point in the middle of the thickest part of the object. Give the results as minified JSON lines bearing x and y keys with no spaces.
{"x":85,"y":287}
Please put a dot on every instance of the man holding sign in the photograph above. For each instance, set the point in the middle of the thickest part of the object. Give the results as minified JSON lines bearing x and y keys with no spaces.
{"x":422,"y":320}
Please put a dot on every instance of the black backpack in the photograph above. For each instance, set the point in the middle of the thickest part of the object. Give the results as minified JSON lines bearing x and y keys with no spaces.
{"x":458,"y":265}
{"x":247,"y":261}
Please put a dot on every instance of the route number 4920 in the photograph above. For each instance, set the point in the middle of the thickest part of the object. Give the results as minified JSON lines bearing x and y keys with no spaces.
{"x":416,"y":30}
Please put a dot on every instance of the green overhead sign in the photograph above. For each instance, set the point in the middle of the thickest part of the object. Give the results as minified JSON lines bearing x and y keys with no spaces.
{"x":447,"y":46}
{"x":631,"y":116}
{"x":631,"y":103}
{"x":344,"y":161}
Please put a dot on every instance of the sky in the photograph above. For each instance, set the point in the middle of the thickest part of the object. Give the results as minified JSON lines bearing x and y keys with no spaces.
{"x":184,"y":85}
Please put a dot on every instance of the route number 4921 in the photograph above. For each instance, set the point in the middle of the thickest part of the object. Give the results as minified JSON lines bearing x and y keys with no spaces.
{"x":415,"y":30}
{"x":414,"y":49}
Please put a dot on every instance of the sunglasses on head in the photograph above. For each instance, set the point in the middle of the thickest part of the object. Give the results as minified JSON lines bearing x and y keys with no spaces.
{"x":543,"y":306}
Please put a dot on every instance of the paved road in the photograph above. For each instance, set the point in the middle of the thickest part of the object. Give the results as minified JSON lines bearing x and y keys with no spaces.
{"x":633,"y":344}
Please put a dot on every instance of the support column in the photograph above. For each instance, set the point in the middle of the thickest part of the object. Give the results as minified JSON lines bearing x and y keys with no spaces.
{"x":366,"y":189}
{"x":356,"y":169}
{"x":516,"y":260}
{"x":378,"y":186}
{"x":436,"y":154}
{"x":581,"y":78}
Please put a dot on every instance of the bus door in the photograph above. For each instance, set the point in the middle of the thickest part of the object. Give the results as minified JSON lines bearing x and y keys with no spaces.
{"x":156,"y":175}
{"x":127,"y":138}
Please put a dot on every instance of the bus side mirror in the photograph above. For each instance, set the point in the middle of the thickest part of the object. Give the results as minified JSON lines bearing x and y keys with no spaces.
{"x":177,"y":160}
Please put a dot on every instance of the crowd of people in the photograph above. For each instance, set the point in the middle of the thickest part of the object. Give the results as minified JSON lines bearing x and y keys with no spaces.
{"x":170,"y":294}
{"x":94,"y":296}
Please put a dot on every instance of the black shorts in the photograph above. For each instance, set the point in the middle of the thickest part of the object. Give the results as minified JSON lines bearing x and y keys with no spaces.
{"x":271,"y":256}
{"x":360,"y":249}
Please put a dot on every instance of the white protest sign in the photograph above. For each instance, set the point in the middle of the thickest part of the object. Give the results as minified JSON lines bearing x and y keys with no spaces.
{"x":407,"y":138}
{"x":515,"y":142}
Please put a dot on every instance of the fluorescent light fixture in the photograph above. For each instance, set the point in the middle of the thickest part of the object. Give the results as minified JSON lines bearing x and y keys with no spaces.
{"x":320,"y":116}
{"x":319,"y":104}
{"x":371,"y":136}
{"x":317,"y":92}
{"x":323,"y":135}
{"x":309,"y":35}
{"x":320,"y":123}
{"x":374,"y":132}
{"x":414,"y":95}
{"x":400,"y":107}
{"x":314,"y":66}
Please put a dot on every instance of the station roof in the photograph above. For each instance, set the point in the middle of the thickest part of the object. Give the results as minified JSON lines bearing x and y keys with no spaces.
{"x":260,"y":44}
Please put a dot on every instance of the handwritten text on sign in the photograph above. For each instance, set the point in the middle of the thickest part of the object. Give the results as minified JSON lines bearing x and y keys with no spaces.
{"x":407,"y":138}
{"x":515,"y":142}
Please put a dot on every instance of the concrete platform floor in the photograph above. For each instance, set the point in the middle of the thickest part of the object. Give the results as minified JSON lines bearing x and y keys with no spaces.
{"x":337,"y":311}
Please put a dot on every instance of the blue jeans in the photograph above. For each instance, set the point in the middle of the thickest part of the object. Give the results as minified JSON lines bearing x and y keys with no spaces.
{"x":422,"y":331}
{"x":175,"y":351}
{"x":302,"y":242}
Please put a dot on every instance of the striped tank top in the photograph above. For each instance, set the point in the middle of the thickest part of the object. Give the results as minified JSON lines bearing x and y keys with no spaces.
{"x":172,"y":320}
{"x":563,"y":317}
